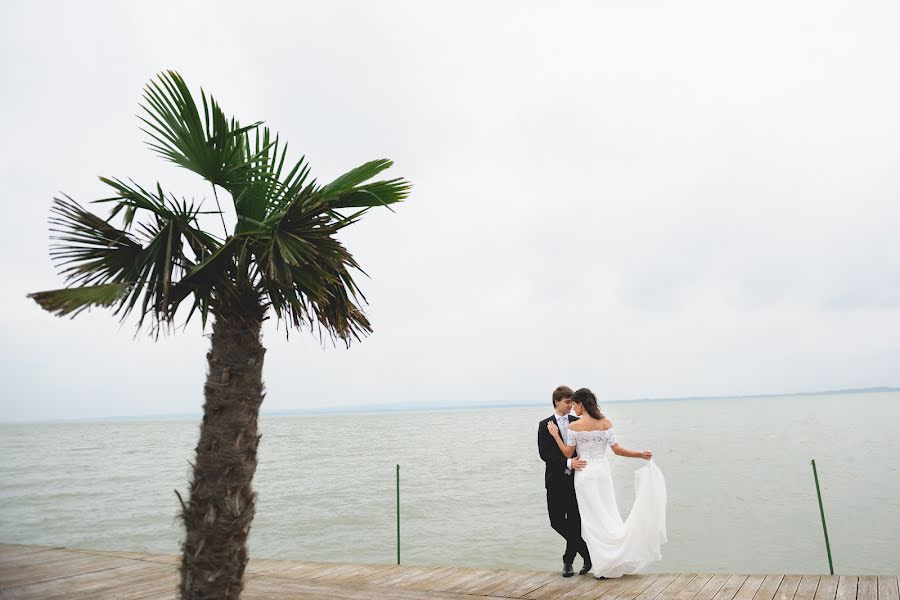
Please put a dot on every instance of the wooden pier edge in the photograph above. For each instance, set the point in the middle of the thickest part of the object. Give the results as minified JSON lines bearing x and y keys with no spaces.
{"x":48,"y":573}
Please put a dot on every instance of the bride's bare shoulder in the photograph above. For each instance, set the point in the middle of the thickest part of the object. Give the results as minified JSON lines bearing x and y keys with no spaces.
{"x":577,"y":425}
{"x":605,"y":424}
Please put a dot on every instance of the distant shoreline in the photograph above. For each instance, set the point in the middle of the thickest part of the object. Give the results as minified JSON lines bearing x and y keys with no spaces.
{"x":383,"y":408}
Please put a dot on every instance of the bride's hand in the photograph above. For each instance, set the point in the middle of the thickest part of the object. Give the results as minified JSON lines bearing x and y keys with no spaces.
{"x":553,"y":429}
{"x":646,"y":455}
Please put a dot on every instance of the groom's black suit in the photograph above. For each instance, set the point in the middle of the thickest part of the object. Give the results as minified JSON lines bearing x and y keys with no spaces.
{"x":562,"y":505}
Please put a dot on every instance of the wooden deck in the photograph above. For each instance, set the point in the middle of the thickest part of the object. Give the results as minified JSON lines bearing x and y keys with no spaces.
{"x":47,"y":573}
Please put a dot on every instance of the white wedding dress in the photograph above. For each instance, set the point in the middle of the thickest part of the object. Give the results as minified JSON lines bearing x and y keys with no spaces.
{"x":617,"y":547}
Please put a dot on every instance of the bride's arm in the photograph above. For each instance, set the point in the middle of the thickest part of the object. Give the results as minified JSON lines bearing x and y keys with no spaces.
{"x":553,"y":428}
{"x":618,"y":449}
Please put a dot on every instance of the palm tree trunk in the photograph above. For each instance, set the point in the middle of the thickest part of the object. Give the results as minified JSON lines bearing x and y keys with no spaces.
{"x":221,"y":505}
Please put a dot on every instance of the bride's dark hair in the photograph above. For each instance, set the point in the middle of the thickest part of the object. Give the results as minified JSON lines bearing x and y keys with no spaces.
{"x":588,"y":401}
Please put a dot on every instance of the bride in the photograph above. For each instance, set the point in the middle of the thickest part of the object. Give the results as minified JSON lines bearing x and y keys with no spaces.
{"x":615,"y":547}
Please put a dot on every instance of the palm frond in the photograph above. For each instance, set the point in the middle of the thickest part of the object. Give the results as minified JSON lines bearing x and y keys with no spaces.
{"x":91,"y":252}
{"x":150,"y":254}
{"x":379,"y":193}
{"x":73,"y":300}
{"x":263,"y":191}
{"x":305,"y":271}
{"x":354,"y":177}
{"x":131,"y":198}
{"x":350,"y":190}
{"x":87,"y":249}
{"x":210,"y":145}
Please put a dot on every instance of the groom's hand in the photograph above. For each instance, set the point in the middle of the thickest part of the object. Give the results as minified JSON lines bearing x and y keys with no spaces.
{"x":578,"y":463}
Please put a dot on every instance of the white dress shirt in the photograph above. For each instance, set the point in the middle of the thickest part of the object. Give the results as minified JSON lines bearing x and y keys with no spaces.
{"x":562,"y":421}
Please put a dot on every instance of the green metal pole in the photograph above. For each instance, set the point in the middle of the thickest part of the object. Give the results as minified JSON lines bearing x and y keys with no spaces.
{"x":821,"y":512}
{"x":398,"y":515}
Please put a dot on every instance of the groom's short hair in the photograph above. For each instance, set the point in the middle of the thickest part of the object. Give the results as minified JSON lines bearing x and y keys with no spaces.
{"x":561,"y":392}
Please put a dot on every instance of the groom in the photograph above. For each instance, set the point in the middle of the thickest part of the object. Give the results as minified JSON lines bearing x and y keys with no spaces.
{"x":562,"y":506}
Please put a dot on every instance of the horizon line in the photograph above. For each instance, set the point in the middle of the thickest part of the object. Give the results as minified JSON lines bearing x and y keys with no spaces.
{"x":407,"y":407}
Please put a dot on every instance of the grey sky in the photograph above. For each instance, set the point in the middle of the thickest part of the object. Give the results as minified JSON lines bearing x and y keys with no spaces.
{"x":649,"y":199}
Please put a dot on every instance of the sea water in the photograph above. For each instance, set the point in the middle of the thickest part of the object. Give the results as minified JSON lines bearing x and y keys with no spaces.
{"x":740,"y":485}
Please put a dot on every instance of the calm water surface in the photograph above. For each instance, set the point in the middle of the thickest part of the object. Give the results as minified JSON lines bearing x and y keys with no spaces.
{"x":741,"y":492}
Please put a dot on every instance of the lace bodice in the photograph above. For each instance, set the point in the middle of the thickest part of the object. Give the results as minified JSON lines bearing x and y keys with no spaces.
{"x":591,"y":444}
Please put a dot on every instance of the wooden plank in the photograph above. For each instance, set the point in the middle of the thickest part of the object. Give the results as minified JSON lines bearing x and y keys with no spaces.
{"x":258,"y":566}
{"x":888,"y":588}
{"x":462,"y":580}
{"x":293,"y":571}
{"x":511,"y":577}
{"x":139,"y":588}
{"x":16,"y":552}
{"x":599,"y":587}
{"x":308,"y":590}
{"x":731,"y":587}
{"x":360,"y":571}
{"x":787,"y":588}
{"x":410,"y":576}
{"x":867,"y":588}
{"x":808,"y":586}
{"x":674,"y":588}
{"x":434,"y":578}
{"x":47,"y":556}
{"x":846,"y":589}
{"x":827,"y":587}
{"x":627,"y":584}
{"x":768,"y":587}
{"x":556,"y":588}
{"x":109,"y":583}
{"x":591,"y":587}
{"x":662,"y":582}
{"x":60,"y":567}
{"x":407,"y":575}
{"x":332,"y":574}
{"x":330,"y":571}
{"x":573,"y":587}
{"x":712,"y":587}
{"x":691,"y":589}
{"x":169,"y":559}
{"x":481,"y":587}
{"x":750,"y":587}
{"x":521,"y":588}
{"x":12,"y":562}
{"x":369,"y":571}
{"x":635,"y":591}
{"x":376,"y":578}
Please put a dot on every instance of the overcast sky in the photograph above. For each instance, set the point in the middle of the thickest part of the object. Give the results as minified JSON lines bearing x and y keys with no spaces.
{"x":649,"y":199}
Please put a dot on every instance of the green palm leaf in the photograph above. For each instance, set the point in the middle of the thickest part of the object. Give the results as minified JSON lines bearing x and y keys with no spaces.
{"x":71,"y":301}
{"x":265,"y":191}
{"x":284,"y":251}
{"x":211,"y":146}
{"x":355,"y":177}
{"x":380,"y":193}
{"x":87,"y":248}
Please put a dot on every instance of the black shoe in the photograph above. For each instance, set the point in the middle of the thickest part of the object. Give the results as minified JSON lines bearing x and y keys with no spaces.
{"x":567,"y":570}
{"x":586,"y":568}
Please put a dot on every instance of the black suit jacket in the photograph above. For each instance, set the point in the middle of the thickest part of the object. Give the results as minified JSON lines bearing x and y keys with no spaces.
{"x":555,"y":469}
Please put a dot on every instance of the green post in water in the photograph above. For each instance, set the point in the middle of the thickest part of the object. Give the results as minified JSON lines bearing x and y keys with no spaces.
{"x":398,"y":516}
{"x":821,"y":512}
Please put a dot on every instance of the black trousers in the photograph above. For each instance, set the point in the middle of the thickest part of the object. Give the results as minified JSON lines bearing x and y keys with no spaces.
{"x":562,"y":507}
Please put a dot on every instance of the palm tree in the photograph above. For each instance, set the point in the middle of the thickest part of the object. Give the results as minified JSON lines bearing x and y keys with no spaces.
{"x":150,"y":256}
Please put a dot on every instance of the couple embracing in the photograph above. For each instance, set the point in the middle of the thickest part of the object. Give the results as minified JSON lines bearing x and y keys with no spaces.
{"x":581,"y":499}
